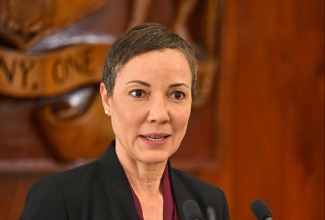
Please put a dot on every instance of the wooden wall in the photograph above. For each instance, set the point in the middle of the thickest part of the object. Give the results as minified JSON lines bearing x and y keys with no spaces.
{"x":265,"y":117}
{"x":270,"y":107}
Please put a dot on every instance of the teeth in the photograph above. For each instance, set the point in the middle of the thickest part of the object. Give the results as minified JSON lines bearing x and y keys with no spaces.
{"x":152,"y":138}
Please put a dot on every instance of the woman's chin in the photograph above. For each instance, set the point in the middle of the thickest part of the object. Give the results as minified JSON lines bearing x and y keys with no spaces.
{"x":154,"y":158}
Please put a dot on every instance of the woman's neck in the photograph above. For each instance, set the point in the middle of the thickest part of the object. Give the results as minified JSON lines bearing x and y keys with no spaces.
{"x":145,"y":179}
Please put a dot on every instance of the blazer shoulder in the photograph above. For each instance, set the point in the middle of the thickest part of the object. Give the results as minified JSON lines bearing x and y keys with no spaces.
{"x":191,"y":181}
{"x":52,"y":197}
{"x":44,"y":200}
{"x":66,"y":181}
{"x":77,"y":172}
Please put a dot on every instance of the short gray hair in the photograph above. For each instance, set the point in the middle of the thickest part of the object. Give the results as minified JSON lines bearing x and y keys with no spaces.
{"x":141,"y":39}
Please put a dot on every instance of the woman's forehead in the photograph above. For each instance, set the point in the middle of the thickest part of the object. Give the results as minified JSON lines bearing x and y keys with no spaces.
{"x":157,"y":63}
{"x":158,"y":59}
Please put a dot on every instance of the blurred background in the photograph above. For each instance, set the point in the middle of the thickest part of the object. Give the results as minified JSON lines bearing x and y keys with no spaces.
{"x":256,"y":130}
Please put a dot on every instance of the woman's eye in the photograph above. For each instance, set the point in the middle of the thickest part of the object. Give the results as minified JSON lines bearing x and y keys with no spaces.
{"x":137,"y":93}
{"x":178,"y":95}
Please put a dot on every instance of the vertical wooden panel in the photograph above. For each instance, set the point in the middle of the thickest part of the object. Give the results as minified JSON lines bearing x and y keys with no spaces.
{"x":272,"y":107}
{"x":13,"y":188}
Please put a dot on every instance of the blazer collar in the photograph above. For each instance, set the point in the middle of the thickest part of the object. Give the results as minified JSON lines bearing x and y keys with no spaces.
{"x":117,"y":184}
{"x":179,"y":192}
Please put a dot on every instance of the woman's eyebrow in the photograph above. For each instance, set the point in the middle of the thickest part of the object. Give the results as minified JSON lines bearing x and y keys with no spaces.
{"x":178,"y":85}
{"x":148,"y":84}
{"x":140,"y":82}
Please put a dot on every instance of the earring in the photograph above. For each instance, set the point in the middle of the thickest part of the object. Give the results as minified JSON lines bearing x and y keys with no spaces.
{"x":107,"y":112}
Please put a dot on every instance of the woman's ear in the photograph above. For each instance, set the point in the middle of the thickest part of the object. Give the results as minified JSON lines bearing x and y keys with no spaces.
{"x":105,"y":98}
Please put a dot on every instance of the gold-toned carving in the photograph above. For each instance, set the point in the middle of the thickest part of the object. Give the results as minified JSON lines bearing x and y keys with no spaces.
{"x":50,"y":56}
{"x":206,"y":77}
{"x":52,"y":73}
{"x":22,"y":23}
{"x":141,"y":9}
{"x":76,"y":127}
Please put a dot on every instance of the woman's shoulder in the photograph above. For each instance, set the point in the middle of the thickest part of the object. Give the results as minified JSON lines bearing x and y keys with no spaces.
{"x":53,"y":197}
{"x":68,"y":180}
{"x":80,"y":172}
{"x":194,"y":184}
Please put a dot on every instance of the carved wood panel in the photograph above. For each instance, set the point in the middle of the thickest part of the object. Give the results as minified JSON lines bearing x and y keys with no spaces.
{"x":50,"y":112}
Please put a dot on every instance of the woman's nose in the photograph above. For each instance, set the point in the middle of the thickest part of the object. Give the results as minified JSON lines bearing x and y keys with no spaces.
{"x":158,"y":111}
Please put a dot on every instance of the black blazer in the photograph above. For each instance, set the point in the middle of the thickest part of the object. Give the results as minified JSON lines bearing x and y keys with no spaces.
{"x":100,"y":191}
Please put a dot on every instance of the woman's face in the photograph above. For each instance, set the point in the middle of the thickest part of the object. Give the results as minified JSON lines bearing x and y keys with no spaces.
{"x":150,"y":106}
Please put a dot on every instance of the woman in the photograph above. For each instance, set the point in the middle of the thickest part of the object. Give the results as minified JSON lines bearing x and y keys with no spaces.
{"x":148,"y":86}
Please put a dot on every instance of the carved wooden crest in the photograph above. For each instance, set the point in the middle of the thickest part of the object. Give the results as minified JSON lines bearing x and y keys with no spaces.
{"x":60,"y":80}
{"x":22,"y":23}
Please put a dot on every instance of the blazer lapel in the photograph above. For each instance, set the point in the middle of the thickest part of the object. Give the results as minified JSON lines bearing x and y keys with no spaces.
{"x":179,"y":192}
{"x":117,"y":185}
